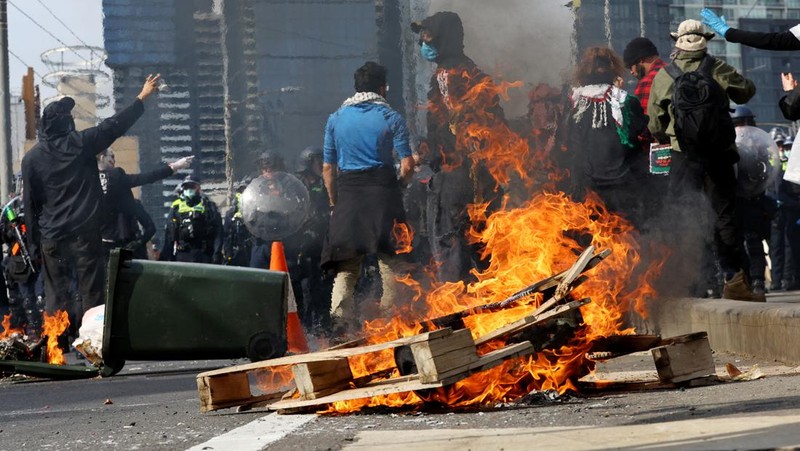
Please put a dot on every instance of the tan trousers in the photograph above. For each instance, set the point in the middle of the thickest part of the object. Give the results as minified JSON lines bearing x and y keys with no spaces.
{"x":344,"y":286}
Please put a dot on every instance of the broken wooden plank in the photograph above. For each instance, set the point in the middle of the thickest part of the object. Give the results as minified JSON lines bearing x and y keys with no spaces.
{"x":528,"y":322}
{"x":317,"y":379}
{"x":684,"y":359}
{"x":573,"y":272}
{"x":228,"y":390}
{"x":329,"y":354}
{"x":454,"y":320}
{"x":435,"y":357}
{"x":488,"y":361}
{"x":411,"y":382}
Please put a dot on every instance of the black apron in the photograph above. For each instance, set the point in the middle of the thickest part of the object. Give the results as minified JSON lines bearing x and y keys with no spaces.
{"x":368,"y":203}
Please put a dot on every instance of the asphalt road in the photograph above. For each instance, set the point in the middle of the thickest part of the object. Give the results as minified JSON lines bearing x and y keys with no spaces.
{"x":154,"y":406}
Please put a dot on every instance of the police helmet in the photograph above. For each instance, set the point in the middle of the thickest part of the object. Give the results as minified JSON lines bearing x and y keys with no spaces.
{"x":777,"y":135}
{"x":271,"y":161}
{"x":308,"y":155}
{"x":788,"y":142}
{"x":188,"y":181}
{"x":742,"y":112}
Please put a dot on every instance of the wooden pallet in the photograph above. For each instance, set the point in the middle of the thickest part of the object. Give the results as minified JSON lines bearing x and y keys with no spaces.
{"x":441,"y":357}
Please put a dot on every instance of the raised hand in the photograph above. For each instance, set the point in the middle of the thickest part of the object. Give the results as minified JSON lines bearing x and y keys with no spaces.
{"x":788,"y":81}
{"x":715,"y":22}
{"x":182,"y":163}
{"x":150,"y":86}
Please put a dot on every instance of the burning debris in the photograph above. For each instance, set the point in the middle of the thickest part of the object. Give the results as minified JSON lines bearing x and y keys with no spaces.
{"x":449,"y":360}
{"x":16,"y":346}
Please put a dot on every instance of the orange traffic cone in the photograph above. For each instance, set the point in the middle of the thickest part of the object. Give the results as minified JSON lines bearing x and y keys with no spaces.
{"x":295,"y":336}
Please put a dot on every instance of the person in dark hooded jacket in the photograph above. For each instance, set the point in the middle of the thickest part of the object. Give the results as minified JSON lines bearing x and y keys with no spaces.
{"x":63,"y":195}
{"x":459,"y":179}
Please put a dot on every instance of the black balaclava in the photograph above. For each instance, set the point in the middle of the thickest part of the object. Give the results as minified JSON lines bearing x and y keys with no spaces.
{"x":57,"y":120}
{"x":447,"y":35}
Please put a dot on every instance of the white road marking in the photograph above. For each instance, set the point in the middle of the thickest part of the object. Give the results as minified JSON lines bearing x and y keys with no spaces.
{"x":257,"y":434}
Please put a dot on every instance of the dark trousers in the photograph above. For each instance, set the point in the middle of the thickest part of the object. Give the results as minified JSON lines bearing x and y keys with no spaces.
{"x":192,"y":256}
{"x":80,"y":254}
{"x":261,"y":254}
{"x":778,"y":250}
{"x":792,"y":216}
{"x":717,"y":180}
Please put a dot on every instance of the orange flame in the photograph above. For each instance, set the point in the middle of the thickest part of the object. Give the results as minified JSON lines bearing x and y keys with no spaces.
{"x":275,"y":379}
{"x":7,"y":329}
{"x":541,"y":237}
{"x":403,"y":235}
{"x":53,"y":327}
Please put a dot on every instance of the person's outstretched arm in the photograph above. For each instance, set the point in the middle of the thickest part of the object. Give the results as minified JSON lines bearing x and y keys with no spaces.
{"x":785,"y":40}
{"x":97,"y":139}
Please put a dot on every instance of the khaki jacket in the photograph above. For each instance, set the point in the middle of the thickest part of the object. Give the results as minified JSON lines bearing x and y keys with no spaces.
{"x":739,"y":89}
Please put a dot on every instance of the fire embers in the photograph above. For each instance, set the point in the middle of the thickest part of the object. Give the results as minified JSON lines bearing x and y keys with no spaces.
{"x":15,"y":345}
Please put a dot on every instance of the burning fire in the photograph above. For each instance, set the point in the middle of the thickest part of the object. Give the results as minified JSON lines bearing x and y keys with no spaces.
{"x":540,"y":237}
{"x":53,"y":327}
{"x":7,"y":329}
{"x":403,"y":235}
{"x":524,"y":245}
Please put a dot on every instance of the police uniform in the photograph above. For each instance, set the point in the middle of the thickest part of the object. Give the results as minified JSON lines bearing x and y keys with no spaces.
{"x":25,"y":300}
{"x":237,"y":239}
{"x":193,"y":230}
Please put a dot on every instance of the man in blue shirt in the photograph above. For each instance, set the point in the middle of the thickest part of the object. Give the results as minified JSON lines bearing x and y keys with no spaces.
{"x":361,"y":138}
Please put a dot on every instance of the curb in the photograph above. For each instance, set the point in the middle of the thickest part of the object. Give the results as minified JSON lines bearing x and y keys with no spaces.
{"x":769,"y":331}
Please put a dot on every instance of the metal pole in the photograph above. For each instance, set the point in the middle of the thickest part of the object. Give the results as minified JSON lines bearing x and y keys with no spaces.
{"x":6,"y":169}
{"x":226,"y":99}
{"x":641,"y":18}
{"x":607,"y":22}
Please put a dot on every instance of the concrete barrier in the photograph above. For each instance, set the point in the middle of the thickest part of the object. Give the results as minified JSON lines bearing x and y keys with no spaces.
{"x":766,"y":330}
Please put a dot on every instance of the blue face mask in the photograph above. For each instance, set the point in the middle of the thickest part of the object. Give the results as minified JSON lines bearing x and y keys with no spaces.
{"x":429,"y":52}
{"x":189,"y":194}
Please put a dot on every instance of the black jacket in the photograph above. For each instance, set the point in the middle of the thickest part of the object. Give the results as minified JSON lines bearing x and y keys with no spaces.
{"x":454,"y":77}
{"x":595,"y":153}
{"x":790,"y":105}
{"x":118,"y":214}
{"x":62,"y":183}
{"x":785,"y":40}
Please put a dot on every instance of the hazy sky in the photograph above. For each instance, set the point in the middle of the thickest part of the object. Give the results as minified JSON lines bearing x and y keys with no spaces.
{"x":28,"y":41}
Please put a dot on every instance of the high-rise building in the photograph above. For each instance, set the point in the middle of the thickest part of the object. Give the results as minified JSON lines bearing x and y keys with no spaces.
{"x":244,"y":77}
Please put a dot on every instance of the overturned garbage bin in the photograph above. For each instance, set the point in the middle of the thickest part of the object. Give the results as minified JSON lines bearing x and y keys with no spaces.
{"x":181,"y":311}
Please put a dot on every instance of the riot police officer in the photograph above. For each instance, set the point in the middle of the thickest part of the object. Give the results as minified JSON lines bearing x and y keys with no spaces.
{"x":269,"y":163}
{"x":238,"y":241}
{"x":304,"y":248}
{"x":755,"y":172}
{"x":21,"y":272}
{"x":194,"y":227}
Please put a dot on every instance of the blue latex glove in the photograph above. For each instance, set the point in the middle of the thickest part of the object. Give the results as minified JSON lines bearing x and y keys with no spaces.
{"x":715,"y":22}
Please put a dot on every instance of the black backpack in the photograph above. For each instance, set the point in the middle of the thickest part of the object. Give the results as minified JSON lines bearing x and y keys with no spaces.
{"x":701,"y":109}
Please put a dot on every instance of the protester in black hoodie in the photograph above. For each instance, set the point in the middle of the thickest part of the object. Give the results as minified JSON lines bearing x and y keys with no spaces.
{"x":63,"y":195}
{"x":458,"y":179}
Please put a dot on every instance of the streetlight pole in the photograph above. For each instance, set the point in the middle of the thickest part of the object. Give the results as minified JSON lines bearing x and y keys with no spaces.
{"x":6,"y":168}
{"x":641,"y":18}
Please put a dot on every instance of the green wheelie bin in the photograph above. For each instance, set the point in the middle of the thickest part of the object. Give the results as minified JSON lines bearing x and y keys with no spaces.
{"x":183,"y":311}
